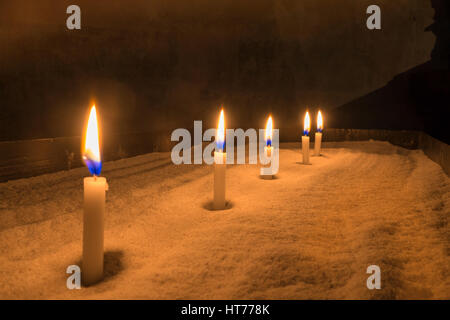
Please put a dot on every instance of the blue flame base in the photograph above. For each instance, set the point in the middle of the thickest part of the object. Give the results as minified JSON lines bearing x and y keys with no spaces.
{"x":220,"y":146}
{"x":95,"y":167}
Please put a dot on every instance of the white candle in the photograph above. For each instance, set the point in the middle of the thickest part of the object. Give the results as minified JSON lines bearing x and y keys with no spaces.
{"x":318,"y":139}
{"x":317,"y":143}
{"x":93,"y":226}
{"x":94,"y":206}
{"x":220,"y":163}
{"x":305,"y":139}
{"x":268,"y":151}
{"x":305,"y":149}
{"x":268,"y":154}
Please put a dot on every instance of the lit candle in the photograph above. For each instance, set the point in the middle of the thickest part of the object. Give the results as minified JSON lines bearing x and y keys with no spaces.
{"x":220,"y":162}
{"x":94,"y":205}
{"x":268,"y":148}
{"x":318,"y":139}
{"x":305,"y":139}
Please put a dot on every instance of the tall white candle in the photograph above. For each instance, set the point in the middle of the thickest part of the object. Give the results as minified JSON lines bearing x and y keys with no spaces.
{"x":94,"y":206}
{"x":318,"y":138}
{"x":93,"y":226}
{"x":220,"y":163}
{"x":305,"y":139}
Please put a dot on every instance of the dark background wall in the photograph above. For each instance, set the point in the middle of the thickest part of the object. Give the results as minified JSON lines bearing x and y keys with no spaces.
{"x":158,"y":65}
{"x":418,"y":98}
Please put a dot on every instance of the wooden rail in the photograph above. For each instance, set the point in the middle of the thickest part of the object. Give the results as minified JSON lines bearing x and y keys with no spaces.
{"x":26,"y":158}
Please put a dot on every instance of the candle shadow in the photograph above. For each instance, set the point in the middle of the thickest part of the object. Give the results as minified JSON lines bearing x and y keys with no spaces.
{"x":274,"y":177}
{"x":321,"y":156}
{"x":112,"y":266}
{"x":209,"y":206}
{"x":303,"y":164}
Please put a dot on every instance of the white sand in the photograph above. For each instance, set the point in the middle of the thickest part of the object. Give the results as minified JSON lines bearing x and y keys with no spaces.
{"x":311,"y":233}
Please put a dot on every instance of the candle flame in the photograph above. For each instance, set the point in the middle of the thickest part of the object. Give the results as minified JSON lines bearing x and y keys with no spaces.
{"x":306,"y":124}
{"x":268,"y":132}
{"x":319,"y":122}
{"x":220,"y":138}
{"x":91,"y":150}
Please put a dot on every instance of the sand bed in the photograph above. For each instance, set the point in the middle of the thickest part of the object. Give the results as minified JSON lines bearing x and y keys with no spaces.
{"x":311,"y":233}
